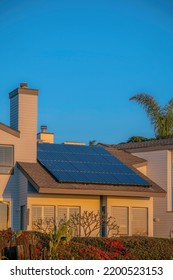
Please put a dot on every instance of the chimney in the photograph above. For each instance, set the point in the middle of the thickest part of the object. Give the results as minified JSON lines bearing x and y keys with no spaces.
{"x":44,"y":136}
{"x":23,"y":114}
{"x":43,"y":128}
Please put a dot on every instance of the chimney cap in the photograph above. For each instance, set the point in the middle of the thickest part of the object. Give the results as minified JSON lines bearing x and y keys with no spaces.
{"x":43,"y":128}
{"x":24,"y":85}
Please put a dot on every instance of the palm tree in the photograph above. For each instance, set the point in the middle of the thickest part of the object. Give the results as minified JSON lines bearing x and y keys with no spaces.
{"x":92,"y":142}
{"x":160,"y":117}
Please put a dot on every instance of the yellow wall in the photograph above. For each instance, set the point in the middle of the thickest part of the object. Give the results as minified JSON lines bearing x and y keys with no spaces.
{"x":46,"y":137}
{"x":133,"y":202}
{"x":86,"y":203}
{"x":142,"y":169}
{"x":92,"y":203}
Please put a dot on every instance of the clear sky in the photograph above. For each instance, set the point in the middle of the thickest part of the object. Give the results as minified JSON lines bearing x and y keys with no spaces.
{"x":87,"y":58}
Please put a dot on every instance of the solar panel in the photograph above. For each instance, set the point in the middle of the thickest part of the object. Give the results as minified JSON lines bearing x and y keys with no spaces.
{"x":86,"y":164}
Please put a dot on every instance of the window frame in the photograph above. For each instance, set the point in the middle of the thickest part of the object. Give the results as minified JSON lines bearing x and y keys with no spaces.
{"x":55,"y":207}
{"x":11,"y":167}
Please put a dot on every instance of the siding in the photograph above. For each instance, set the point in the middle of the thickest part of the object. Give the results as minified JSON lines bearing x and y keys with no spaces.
{"x":23,"y":117}
{"x":14,"y":112}
{"x":23,"y":186}
{"x":159,"y":170}
{"x":10,"y":193}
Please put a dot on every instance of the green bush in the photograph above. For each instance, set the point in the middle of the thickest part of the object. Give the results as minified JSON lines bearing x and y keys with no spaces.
{"x":90,"y":248}
{"x":143,"y":248}
{"x":112,"y":250}
{"x":149,"y":248}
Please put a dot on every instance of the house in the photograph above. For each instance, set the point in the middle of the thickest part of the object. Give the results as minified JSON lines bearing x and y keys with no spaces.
{"x":42,"y":180}
{"x":158,"y":166}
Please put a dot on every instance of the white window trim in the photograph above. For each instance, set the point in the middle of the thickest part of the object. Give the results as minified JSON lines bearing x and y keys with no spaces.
{"x":130,"y":217}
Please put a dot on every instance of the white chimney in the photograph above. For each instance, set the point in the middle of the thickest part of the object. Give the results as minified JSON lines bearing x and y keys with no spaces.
{"x":23,"y":115}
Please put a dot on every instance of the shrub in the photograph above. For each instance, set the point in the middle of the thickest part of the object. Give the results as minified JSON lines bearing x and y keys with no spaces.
{"x":149,"y":248}
{"x":143,"y":248}
{"x":80,"y":251}
{"x":114,"y":249}
{"x":89,"y":248}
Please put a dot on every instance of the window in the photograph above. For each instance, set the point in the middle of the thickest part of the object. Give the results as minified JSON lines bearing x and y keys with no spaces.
{"x":6,"y":159}
{"x":43,"y":217}
{"x":65,"y":212}
{"x":139,"y":221}
{"x":4,"y":215}
{"x":121,"y":215}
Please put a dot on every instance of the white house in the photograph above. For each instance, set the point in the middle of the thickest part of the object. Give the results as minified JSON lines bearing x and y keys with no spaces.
{"x":158,"y":155}
{"x":40,"y":181}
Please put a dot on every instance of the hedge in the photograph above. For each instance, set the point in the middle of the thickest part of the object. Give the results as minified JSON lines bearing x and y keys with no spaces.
{"x":143,"y":248}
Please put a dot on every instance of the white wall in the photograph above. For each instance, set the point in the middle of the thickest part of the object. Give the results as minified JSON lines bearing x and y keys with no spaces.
{"x":159,"y":170}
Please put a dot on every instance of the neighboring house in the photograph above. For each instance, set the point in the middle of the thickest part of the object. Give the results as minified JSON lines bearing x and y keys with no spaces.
{"x":39,"y":181}
{"x":158,"y":156}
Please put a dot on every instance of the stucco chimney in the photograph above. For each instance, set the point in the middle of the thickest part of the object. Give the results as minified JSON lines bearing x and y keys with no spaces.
{"x":23,"y":114}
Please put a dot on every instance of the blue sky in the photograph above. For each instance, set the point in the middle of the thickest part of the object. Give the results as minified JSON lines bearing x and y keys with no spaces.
{"x":87,"y":58}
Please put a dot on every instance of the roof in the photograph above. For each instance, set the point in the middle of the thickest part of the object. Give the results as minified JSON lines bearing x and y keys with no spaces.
{"x":149,"y":145}
{"x":44,"y":182}
{"x":126,"y":157}
{"x":9,"y":130}
{"x":86,"y":164}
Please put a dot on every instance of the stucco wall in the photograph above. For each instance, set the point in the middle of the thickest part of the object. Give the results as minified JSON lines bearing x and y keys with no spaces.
{"x":86,"y":203}
{"x":130,"y":203}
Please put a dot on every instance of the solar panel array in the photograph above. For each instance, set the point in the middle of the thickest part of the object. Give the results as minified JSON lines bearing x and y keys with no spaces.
{"x":86,"y":164}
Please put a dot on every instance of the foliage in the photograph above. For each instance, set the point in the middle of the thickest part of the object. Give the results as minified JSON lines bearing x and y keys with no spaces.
{"x":149,"y":248}
{"x":89,"y":248}
{"x":63,"y":231}
{"x":160,"y":117}
{"x":56,"y":231}
{"x":111,"y":250}
{"x":90,"y":223}
{"x":92,"y":142}
{"x":143,"y":248}
{"x":137,"y":139}
{"x":11,"y":239}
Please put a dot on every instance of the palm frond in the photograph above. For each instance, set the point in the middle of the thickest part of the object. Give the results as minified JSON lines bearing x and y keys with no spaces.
{"x":160,"y":117}
{"x":151,"y":107}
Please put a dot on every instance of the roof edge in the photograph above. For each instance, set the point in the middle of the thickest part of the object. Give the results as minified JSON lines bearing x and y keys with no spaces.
{"x":27,"y":91}
{"x":148,"y":145}
{"x":101,"y":192}
{"x":9,"y":130}
{"x":28,"y":177}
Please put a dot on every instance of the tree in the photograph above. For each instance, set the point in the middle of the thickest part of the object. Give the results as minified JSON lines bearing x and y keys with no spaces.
{"x":160,"y":117}
{"x":92,"y":143}
{"x":137,"y":139}
{"x":90,"y":223}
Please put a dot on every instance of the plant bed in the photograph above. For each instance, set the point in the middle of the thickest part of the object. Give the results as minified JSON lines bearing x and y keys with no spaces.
{"x":36,"y":245}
